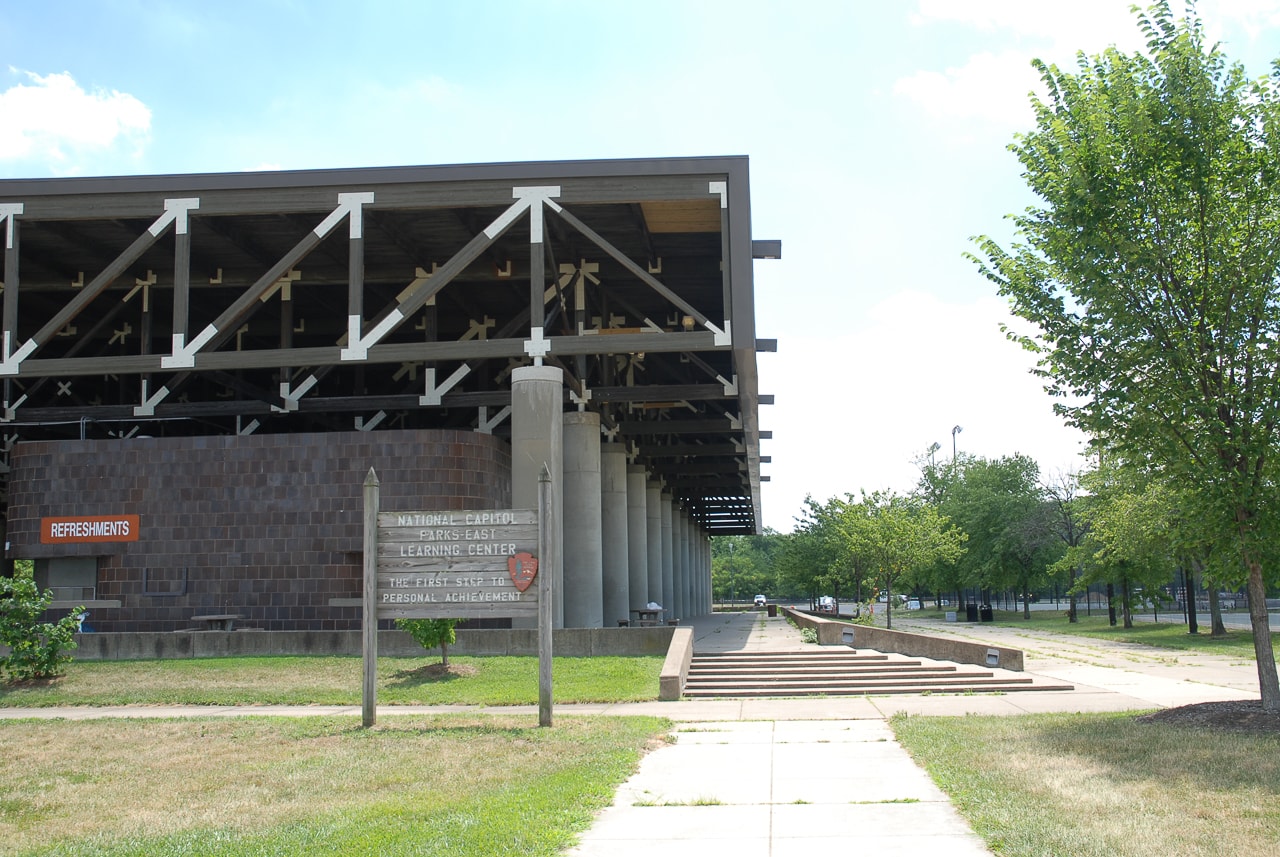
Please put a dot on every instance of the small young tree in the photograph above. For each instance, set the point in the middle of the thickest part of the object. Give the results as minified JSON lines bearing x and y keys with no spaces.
{"x":36,"y":649}
{"x":430,"y":633}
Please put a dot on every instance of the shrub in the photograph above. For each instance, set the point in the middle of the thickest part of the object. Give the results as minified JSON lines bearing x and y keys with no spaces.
{"x":864,"y":614}
{"x":430,"y":633}
{"x":36,"y":649}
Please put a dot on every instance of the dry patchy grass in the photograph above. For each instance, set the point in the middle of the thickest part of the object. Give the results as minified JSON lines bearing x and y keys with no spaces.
{"x":104,"y":785}
{"x":1104,"y":784}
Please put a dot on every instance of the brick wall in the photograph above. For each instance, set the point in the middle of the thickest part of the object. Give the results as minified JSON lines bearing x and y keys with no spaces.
{"x":267,"y":526}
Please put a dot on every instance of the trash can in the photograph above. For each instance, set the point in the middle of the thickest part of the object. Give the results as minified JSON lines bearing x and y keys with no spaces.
{"x":986,"y":613}
{"x":773,"y":610}
{"x":971,"y":612}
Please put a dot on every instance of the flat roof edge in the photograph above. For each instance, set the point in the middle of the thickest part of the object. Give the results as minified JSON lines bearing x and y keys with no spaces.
{"x":498,"y":171}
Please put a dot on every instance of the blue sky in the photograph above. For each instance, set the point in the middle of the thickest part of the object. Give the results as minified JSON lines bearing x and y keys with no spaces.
{"x":876,"y":131}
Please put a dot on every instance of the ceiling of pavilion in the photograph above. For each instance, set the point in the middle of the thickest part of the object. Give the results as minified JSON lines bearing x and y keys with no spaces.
{"x":212,"y":304}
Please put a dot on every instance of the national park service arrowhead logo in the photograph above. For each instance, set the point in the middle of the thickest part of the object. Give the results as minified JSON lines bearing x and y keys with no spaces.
{"x":523,"y":568}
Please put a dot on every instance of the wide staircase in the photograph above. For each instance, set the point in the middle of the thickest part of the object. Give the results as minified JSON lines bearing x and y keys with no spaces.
{"x":841,"y":671}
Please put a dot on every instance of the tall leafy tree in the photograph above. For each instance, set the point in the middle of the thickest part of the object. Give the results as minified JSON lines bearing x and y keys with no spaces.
{"x":816,"y":561}
{"x":935,"y":487}
{"x":896,"y":538}
{"x":742,"y":566}
{"x":999,"y":504}
{"x":1131,"y":543}
{"x":1151,"y":270}
{"x":1067,"y":522}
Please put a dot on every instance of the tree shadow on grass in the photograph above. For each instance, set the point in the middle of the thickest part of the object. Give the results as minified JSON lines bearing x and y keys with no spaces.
{"x":1132,"y":750}
{"x":30,"y":685}
{"x":436,"y":673}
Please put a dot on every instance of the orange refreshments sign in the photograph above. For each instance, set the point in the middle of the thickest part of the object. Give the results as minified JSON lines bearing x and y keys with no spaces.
{"x":80,"y":530}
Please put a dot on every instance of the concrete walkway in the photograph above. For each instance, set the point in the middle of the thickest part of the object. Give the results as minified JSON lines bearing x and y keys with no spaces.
{"x":780,"y":777}
{"x":792,"y":777}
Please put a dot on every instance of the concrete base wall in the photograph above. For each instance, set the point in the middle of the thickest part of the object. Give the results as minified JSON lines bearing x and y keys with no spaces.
{"x":833,"y":633}
{"x":572,"y":642}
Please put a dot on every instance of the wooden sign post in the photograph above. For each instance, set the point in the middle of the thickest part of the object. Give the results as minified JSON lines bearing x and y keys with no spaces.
{"x":549,"y":548}
{"x":454,"y":565}
{"x":369,"y":692}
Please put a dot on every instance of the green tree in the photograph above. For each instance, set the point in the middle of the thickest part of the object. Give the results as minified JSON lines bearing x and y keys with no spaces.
{"x":1000,"y":506}
{"x":1132,"y":546}
{"x":935,"y":487}
{"x":1067,"y":521}
{"x":36,"y":649}
{"x":1150,"y":269}
{"x":896,"y":539}
{"x":815,"y":561}
{"x":430,"y":633}
{"x":742,"y":566}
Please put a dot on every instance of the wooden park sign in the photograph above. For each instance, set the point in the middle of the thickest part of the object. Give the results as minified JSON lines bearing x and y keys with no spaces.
{"x":456,"y":565}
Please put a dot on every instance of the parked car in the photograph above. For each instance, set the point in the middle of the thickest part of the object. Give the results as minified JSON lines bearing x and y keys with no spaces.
{"x":761,"y":601}
{"x":826,"y":604}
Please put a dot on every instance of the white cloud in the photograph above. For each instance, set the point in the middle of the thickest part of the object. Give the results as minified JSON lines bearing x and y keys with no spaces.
{"x":1088,"y":25}
{"x":989,"y":86}
{"x":1255,"y":18}
{"x":871,"y":401}
{"x":992,"y":85}
{"x":51,"y":120}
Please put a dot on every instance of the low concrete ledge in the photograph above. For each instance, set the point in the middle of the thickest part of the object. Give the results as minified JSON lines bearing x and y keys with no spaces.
{"x":567,"y":642}
{"x":829,"y":631}
{"x":675,"y":669}
{"x":834,"y":633}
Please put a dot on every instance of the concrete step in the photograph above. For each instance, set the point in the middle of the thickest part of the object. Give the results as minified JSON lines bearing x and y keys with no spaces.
{"x":835,"y":654}
{"x":757,"y":692}
{"x":842,"y":672}
{"x":782,"y":674}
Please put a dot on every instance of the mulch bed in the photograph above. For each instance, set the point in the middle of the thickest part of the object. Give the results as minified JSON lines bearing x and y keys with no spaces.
{"x":1238,"y":716}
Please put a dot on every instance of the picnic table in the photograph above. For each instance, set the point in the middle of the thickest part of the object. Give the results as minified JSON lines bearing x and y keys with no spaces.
{"x":647,"y":618}
{"x":219,"y":621}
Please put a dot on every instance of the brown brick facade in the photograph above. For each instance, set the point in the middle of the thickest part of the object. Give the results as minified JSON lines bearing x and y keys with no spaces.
{"x":266,"y":526}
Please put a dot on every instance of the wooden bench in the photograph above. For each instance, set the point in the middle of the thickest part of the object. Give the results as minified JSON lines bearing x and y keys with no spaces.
{"x":219,"y":621}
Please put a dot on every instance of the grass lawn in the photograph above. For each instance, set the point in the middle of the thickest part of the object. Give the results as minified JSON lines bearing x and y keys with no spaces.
{"x":1170,"y":635}
{"x":336,"y":681}
{"x":461,"y":786}
{"x":1104,"y":784}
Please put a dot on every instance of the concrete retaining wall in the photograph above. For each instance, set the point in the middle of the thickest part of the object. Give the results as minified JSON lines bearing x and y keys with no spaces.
{"x":833,"y":633}
{"x":569,"y":642}
{"x":675,"y":669}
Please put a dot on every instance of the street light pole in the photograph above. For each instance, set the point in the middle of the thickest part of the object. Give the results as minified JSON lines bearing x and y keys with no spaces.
{"x":733,"y":580}
{"x":955,"y":431}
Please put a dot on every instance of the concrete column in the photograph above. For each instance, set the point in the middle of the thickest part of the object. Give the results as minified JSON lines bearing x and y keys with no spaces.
{"x":537,"y":439}
{"x":687,"y":576}
{"x":583,"y":552}
{"x":653,"y":522}
{"x":678,"y":569}
{"x":614,"y":545}
{"x":699,"y":571}
{"x":637,"y":538}
{"x":708,"y":597}
{"x":668,"y":553}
